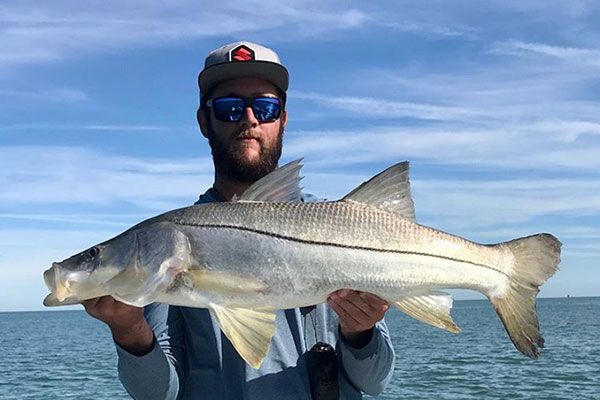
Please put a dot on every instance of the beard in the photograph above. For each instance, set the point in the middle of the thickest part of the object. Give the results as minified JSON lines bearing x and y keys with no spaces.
{"x":230,"y":161}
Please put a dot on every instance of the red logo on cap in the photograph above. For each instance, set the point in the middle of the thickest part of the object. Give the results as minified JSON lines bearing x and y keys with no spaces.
{"x":242,"y":53}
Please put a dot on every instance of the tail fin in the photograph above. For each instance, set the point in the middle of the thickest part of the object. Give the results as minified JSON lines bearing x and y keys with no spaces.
{"x":536,"y":259}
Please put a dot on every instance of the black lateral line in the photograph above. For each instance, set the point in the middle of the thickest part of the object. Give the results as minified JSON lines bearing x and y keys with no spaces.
{"x":293,"y":239}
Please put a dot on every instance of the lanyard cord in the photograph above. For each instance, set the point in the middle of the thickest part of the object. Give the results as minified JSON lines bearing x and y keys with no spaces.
{"x":312,"y":312}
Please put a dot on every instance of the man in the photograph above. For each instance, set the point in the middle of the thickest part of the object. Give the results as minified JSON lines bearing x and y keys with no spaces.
{"x":168,"y":352}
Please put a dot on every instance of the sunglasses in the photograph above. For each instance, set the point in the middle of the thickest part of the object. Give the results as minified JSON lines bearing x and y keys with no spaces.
{"x":231,"y":109}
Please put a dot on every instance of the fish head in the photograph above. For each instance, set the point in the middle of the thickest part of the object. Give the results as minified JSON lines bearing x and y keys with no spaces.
{"x":84,"y":274}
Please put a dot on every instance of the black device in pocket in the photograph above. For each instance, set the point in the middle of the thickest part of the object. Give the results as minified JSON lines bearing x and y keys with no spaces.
{"x":322,"y":363}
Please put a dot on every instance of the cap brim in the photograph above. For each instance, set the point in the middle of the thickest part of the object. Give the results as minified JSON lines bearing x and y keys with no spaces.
{"x":275,"y":73}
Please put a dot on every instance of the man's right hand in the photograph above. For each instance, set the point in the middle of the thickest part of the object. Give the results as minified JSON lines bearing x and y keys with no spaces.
{"x":127,"y":323}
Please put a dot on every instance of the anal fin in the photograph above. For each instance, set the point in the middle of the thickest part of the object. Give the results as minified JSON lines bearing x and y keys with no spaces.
{"x":250,"y":331}
{"x":433,"y":308}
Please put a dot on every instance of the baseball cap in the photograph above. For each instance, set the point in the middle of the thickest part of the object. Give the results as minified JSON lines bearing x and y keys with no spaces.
{"x":242,"y":60}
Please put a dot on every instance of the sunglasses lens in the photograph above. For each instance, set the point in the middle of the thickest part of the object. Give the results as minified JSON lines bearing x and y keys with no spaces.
{"x":229,"y":109}
{"x":266,"y":109}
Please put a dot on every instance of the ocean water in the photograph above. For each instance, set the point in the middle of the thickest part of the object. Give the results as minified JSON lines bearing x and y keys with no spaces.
{"x":68,"y":355}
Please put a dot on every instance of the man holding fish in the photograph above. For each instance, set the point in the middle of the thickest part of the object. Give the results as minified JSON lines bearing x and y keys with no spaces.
{"x":168,"y":352}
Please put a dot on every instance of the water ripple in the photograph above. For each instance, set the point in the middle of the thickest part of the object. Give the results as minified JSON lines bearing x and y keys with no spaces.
{"x":69,"y":355}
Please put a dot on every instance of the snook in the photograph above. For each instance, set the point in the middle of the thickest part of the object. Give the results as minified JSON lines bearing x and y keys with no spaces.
{"x":267,"y":251}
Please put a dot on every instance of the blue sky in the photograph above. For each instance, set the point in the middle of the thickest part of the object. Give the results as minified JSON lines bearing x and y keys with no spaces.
{"x":495,"y":104}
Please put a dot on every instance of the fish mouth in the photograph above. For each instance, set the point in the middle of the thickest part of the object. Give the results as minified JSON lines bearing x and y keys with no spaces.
{"x":53,"y":280}
{"x":61,"y":283}
{"x":50,"y":276}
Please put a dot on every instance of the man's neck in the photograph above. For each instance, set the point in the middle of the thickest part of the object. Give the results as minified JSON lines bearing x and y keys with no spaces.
{"x":227,"y":188}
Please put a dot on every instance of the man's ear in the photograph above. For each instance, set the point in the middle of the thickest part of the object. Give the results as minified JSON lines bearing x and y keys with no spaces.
{"x":201,"y":118}
{"x":284,"y":118}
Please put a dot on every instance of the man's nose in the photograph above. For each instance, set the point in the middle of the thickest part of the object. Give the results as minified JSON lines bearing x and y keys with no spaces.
{"x":248,"y":117}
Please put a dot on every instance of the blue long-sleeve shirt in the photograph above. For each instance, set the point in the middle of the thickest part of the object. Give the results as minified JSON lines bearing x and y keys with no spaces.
{"x":192,"y":359}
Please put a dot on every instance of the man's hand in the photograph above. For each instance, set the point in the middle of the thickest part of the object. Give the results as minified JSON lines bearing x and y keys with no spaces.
{"x":127,"y":323}
{"x":358,"y":313}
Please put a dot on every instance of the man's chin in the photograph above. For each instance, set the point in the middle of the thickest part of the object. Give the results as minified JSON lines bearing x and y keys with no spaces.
{"x":245,"y":162}
{"x":247,"y":157}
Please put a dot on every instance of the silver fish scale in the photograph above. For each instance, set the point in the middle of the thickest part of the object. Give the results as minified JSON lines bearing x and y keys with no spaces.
{"x":340,"y":223}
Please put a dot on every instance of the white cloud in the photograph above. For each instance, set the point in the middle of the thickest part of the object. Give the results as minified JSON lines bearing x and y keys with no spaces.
{"x":588,"y":233}
{"x":55,"y":175}
{"x":510,"y":148}
{"x":96,"y":127}
{"x":83,"y":176}
{"x":469,"y":205}
{"x":387,"y":108}
{"x":57,"y":95}
{"x":576,"y":56}
{"x":92,"y":220}
{"x":496,"y":86}
{"x":125,"y":128}
{"x":34,"y":32}
{"x":570,"y":130}
{"x":428,"y":28}
{"x":509,"y":114}
{"x":17,"y":243}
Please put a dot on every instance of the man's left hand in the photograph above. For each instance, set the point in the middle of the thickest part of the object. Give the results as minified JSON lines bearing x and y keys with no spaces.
{"x":358,"y":312}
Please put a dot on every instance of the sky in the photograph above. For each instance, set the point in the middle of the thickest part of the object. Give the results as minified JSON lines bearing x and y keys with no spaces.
{"x":495,"y":104}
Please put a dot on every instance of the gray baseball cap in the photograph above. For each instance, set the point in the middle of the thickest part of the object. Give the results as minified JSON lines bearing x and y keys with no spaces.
{"x":242,"y":60}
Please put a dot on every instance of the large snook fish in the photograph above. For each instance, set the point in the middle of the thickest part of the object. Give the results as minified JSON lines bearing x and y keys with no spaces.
{"x":267,"y":251}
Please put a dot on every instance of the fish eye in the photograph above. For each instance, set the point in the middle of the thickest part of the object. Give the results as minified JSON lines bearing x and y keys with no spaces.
{"x":93,"y":252}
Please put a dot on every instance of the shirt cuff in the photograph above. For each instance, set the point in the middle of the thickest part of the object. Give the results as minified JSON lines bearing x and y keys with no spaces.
{"x":153,"y":357}
{"x":364,"y":352}
{"x":149,"y":376}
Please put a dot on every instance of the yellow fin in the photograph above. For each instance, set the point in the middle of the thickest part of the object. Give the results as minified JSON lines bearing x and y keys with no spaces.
{"x":536,"y":259}
{"x":225,"y":282}
{"x":432,"y":308}
{"x":249,"y":331}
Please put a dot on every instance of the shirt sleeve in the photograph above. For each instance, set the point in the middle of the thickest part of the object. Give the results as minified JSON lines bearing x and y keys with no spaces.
{"x":155,"y":376}
{"x":369,"y":368}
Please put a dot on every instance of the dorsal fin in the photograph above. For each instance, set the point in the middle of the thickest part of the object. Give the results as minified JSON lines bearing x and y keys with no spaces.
{"x":281,"y":185}
{"x":389,"y":190}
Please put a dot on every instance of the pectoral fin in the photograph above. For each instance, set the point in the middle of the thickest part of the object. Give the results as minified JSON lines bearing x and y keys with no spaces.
{"x":249,"y":331}
{"x":432,"y":308}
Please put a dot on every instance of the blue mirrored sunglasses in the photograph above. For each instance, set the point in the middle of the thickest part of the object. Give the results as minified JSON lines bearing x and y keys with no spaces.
{"x":231,"y":109}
